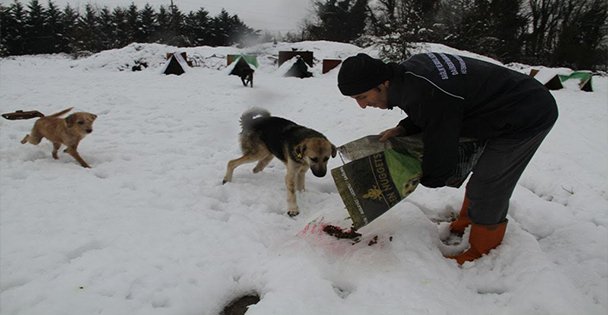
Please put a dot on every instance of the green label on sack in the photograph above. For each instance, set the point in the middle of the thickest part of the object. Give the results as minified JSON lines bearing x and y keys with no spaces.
{"x":405,"y":171}
{"x":372,"y":185}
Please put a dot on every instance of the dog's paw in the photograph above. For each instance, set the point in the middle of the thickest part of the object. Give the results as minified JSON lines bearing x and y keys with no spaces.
{"x":293,"y":212}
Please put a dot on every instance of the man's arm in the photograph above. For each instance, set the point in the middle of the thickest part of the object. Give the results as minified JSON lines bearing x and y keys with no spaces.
{"x":409,"y":127}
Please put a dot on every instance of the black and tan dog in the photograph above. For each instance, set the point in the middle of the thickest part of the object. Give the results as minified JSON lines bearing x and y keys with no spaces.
{"x":264,"y":137}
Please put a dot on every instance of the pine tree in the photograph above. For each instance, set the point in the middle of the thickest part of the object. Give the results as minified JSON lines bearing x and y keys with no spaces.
{"x":357,"y":19}
{"x":106,"y":28}
{"x":148,"y":24}
{"x":412,"y":19}
{"x":87,"y":28}
{"x":70,"y":31}
{"x":13,"y":37}
{"x":176,"y":19}
{"x":4,"y":16}
{"x":54,"y":28}
{"x":342,"y":21}
{"x":221,"y":25}
{"x":197,"y":28}
{"x":163,"y":33}
{"x":400,"y":22}
{"x":239,"y":33}
{"x":467,"y":24}
{"x":36,"y":39}
{"x":133,"y":24}
{"x":121,"y":28}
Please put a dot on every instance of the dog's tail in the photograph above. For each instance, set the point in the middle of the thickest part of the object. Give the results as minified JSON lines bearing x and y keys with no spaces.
{"x":251,"y":115}
{"x":58,"y":114}
{"x":22,"y":115}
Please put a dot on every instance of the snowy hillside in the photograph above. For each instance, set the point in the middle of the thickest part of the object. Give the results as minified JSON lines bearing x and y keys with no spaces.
{"x":150,"y":229}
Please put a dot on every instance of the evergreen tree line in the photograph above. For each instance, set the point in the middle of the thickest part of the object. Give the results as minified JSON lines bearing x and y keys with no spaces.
{"x":570,"y":33}
{"x":39,"y":30}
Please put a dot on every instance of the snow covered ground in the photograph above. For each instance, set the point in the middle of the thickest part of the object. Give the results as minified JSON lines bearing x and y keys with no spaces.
{"x":150,"y":229}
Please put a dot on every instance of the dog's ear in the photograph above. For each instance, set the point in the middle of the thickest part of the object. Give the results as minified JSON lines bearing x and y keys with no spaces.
{"x":334,"y":151}
{"x":70,"y":120}
{"x":299,"y":150}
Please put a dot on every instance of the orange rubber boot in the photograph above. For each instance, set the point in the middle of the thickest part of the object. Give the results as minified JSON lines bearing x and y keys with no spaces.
{"x":460,"y":224}
{"x":483,"y":238}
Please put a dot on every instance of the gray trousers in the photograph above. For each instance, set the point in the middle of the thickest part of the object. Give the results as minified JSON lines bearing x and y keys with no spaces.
{"x":496,"y":174}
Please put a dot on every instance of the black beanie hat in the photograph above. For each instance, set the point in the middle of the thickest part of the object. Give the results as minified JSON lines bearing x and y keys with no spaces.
{"x":361,"y":73}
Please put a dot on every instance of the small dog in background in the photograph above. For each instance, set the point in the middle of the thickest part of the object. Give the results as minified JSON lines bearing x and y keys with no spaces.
{"x":247,"y":77}
{"x":63,"y":131}
{"x":299,"y":148}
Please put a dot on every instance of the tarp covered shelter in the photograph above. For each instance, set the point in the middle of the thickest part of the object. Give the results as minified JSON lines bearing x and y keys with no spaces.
{"x":298,"y":69}
{"x":239,"y":66}
{"x":548,"y":78}
{"x":243,"y":68}
{"x":250,"y":59}
{"x":307,"y":56}
{"x":175,"y":65}
{"x":584,"y":78}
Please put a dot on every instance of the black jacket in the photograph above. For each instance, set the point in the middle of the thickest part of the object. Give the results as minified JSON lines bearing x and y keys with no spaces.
{"x":447,"y":96}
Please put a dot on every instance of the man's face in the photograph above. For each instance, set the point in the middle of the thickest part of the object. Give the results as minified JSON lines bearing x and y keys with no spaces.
{"x":376,"y":97}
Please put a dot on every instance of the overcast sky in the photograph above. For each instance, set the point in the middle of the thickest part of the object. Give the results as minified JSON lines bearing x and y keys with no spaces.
{"x":272,"y":15}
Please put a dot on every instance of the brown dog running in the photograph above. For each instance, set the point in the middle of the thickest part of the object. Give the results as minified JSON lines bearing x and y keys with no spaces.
{"x":264,"y":137}
{"x":67,"y":131}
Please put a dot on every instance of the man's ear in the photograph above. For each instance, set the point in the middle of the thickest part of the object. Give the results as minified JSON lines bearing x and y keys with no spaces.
{"x":383,"y":85}
{"x":334,"y":151}
{"x":299,"y":150}
{"x":70,"y":120}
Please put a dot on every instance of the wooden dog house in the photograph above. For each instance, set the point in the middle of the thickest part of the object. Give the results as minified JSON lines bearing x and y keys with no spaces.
{"x":307,"y":56}
{"x":176,"y":63}
{"x":329,"y":64}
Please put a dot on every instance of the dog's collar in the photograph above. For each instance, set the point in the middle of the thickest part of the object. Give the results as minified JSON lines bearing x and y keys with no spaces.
{"x":298,"y":157}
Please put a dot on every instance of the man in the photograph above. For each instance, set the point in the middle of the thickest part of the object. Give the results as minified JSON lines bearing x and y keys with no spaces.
{"x":446,"y":97}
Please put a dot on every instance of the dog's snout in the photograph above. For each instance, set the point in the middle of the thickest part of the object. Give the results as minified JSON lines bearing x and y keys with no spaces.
{"x":319,"y":172}
{"x":89,"y":130}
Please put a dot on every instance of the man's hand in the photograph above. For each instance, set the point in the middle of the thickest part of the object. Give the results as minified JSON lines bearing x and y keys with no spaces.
{"x":393,"y":132}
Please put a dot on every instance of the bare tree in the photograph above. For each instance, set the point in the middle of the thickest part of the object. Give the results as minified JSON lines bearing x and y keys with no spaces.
{"x":544,"y":20}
